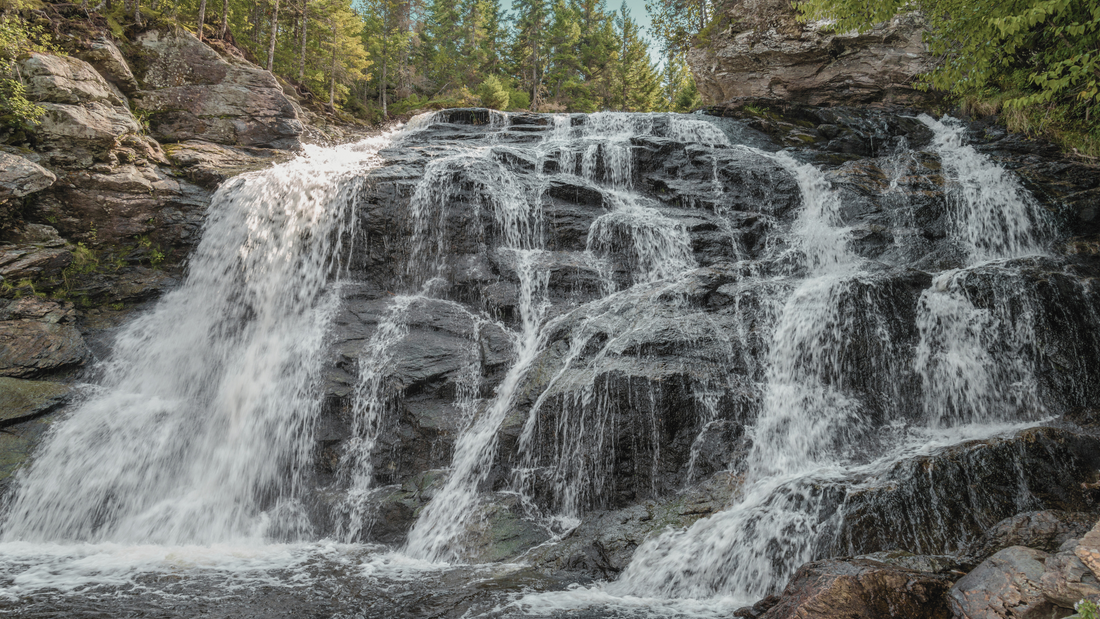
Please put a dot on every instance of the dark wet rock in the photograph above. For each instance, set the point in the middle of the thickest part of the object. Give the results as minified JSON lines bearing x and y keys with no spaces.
{"x":191,"y":92}
{"x":862,"y":588}
{"x":1008,"y":584}
{"x":23,"y":261}
{"x":22,"y":400}
{"x":603,"y":544}
{"x":1043,"y":530}
{"x":758,"y":609}
{"x":17,"y":443}
{"x":925,"y":504}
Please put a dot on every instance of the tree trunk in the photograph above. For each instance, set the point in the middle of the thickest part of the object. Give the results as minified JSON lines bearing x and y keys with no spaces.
{"x":332,"y":79}
{"x":274,"y":31}
{"x":202,"y":16}
{"x":225,"y":18}
{"x":385,"y":56}
{"x":302,"y":57}
{"x":137,"y":12}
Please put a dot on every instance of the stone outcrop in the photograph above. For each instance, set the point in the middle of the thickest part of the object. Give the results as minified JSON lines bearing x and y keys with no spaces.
{"x":759,"y":48}
{"x":21,"y":177}
{"x":1020,"y":582}
{"x":861,"y":589}
{"x":189,"y":91}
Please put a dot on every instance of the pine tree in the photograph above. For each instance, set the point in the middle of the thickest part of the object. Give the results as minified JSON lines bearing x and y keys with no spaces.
{"x":529,"y":47}
{"x":638,"y":87}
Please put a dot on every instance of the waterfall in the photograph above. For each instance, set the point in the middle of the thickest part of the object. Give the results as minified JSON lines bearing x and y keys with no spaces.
{"x":201,"y":430}
{"x":975,"y":366}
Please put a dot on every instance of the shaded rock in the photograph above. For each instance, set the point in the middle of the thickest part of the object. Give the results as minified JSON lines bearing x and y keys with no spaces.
{"x":759,"y":48}
{"x":925,"y":505}
{"x":20,"y":177}
{"x":1007,"y":585}
{"x":604,"y":542}
{"x":503,"y":531}
{"x":17,"y":443}
{"x":21,"y":400}
{"x":861,"y":588}
{"x":25,"y":261}
{"x":38,"y":336}
{"x":191,"y":92}
{"x":1044,"y":530}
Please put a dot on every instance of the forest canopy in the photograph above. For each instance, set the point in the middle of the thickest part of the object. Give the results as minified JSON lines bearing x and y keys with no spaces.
{"x":375,"y":58}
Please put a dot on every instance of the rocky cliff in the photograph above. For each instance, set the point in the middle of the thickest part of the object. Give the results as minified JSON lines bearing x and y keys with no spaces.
{"x":761,"y":49}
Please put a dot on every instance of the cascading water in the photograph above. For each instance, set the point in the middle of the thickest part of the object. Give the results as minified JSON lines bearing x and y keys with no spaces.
{"x":648,"y":300}
{"x":202,"y":429}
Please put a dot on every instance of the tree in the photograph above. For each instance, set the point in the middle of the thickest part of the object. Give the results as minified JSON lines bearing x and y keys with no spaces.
{"x":676,"y":22}
{"x":529,"y":46}
{"x":638,"y":85}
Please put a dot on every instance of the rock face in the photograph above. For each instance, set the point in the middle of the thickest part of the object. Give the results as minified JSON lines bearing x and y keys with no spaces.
{"x":191,"y":92}
{"x":864,"y":589}
{"x":758,"y":48}
{"x":1024,"y":582}
{"x":619,"y":418}
{"x":38,"y":337}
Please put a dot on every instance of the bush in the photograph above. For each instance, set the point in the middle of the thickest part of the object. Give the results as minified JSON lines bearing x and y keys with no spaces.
{"x":17,"y":37}
{"x":493,"y":95}
{"x":518,"y":100}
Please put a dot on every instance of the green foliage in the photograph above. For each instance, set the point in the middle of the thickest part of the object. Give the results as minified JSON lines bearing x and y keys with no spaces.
{"x":1040,"y":52}
{"x":1087,"y":609}
{"x":18,"y":37}
{"x":493,"y":95}
{"x":518,"y":100}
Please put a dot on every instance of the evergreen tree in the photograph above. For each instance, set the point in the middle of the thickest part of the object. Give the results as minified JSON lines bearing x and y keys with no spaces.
{"x":638,"y":86}
{"x":529,"y":47}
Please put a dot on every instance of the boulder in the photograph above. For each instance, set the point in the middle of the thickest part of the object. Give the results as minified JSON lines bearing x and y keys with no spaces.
{"x":1088,"y":550}
{"x":760,"y":48}
{"x":191,"y":92}
{"x":1066,"y":580}
{"x":208,"y":164}
{"x":105,"y":57}
{"x":1007,"y":585}
{"x":20,"y":177}
{"x":86,"y":117}
{"x":861,"y":589}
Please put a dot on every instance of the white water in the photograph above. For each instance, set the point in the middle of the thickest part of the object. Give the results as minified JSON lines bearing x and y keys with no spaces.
{"x":807,"y":436}
{"x":202,"y":427}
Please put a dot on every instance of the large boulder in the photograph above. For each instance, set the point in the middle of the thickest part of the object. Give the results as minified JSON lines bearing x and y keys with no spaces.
{"x":86,"y":118}
{"x":1024,"y":583}
{"x":861,"y":589}
{"x":759,"y":48}
{"x":191,"y":92}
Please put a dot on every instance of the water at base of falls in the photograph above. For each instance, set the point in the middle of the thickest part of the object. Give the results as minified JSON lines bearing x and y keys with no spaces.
{"x":179,"y":478}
